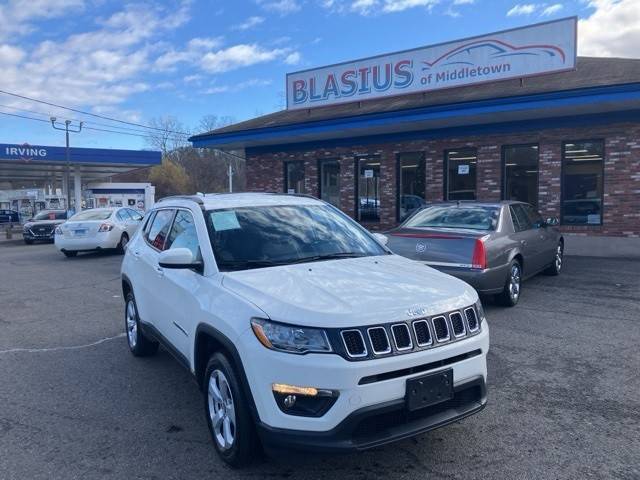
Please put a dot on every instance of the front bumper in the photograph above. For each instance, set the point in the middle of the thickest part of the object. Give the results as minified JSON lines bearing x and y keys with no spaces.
{"x":28,"y":235}
{"x":380,"y":424}
{"x":265,"y":367}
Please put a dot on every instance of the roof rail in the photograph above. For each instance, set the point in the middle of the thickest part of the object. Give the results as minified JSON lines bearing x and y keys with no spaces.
{"x":193,"y":198}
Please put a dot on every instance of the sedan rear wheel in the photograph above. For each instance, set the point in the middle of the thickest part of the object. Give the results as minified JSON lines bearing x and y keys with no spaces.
{"x":511,"y":293}
{"x":122,"y":245}
{"x":556,"y":266}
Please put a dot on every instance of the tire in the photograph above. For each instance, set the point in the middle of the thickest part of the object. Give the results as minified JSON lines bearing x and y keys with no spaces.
{"x":234,"y":436}
{"x":555,"y":268}
{"x":70,"y":253}
{"x":122,"y":244}
{"x":139,"y":344}
{"x":512,"y":287}
{"x":28,"y":242}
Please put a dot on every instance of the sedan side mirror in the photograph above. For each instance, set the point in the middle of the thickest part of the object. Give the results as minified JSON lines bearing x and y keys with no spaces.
{"x":179,"y":258}
{"x":382,"y":238}
{"x":552,"y":222}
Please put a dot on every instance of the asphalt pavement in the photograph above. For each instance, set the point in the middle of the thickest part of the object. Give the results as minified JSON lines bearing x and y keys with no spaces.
{"x":564,"y":384}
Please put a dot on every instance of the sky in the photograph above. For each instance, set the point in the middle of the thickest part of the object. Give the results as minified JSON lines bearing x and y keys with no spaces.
{"x":139,"y":61}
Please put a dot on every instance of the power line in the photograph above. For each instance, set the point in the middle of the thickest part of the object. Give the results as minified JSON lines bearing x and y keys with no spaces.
{"x":111,"y":119}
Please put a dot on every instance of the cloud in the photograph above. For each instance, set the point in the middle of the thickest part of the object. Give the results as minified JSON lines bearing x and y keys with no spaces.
{"x":376,"y":7}
{"x":238,"y":56}
{"x":249,"y":23}
{"x":612,"y":30}
{"x":17,"y":16}
{"x":254,"y":82}
{"x":464,"y":2}
{"x":524,"y":9}
{"x":193,"y":52}
{"x":551,"y":9}
{"x":293,"y":58}
{"x":100,"y":67}
{"x":283,"y":7}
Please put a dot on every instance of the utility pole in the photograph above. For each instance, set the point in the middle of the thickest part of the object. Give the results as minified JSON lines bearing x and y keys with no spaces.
{"x":59,"y":126}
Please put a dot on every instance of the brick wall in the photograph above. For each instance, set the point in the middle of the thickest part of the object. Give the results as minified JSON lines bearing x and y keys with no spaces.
{"x":621,"y":172}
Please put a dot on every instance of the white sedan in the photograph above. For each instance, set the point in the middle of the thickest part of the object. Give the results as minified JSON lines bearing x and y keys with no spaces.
{"x":97,"y":229}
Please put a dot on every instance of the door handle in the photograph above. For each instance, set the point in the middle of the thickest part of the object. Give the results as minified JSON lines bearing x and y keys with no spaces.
{"x":523,"y":242}
{"x":160,"y":271}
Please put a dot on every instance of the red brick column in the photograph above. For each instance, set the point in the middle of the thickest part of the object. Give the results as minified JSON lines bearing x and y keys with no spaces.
{"x":488,"y":171}
{"x":549,"y":179}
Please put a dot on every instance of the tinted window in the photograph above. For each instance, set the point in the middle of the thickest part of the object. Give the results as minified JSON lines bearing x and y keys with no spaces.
{"x":535,"y":219}
{"x":50,"y":215}
{"x":123,"y":215}
{"x":368,"y":195}
{"x":92,"y":215}
{"x":294,"y":177}
{"x":456,"y":216}
{"x":461,"y":174}
{"x":582,"y":182}
{"x":520,"y":218}
{"x":160,"y":228}
{"x":330,"y":182}
{"x":255,"y":237}
{"x":137,"y":216}
{"x":412,"y":176}
{"x":521,"y":173}
{"x":183,"y":233}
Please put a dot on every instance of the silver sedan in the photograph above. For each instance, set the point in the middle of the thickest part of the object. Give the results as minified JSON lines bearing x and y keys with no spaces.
{"x":491,"y":246}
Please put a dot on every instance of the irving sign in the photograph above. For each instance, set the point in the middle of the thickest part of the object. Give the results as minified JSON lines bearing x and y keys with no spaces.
{"x":534,"y":50}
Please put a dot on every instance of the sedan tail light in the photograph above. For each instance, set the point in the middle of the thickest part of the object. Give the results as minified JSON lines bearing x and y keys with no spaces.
{"x":105,"y":227}
{"x":479,"y":259}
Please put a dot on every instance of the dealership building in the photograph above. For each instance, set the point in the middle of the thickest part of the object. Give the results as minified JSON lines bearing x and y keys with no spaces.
{"x":511,"y":115}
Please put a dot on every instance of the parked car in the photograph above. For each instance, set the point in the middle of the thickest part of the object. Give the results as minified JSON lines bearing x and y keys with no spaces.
{"x":491,"y":246}
{"x":302,"y":329}
{"x":43,"y":225}
{"x":97,"y":229}
{"x":9,"y":216}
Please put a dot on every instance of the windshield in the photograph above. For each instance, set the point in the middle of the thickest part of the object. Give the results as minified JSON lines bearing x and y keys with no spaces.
{"x":473,"y":217}
{"x":50,"y":215}
{"x":92,"y":215}
{"x":254,"y":237}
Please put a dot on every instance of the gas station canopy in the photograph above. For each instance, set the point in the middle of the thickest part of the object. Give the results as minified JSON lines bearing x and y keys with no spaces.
{"x":37,"y":163}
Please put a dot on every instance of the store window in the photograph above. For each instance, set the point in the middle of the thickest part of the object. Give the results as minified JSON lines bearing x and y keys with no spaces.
{"x":330,"y":181}
{"x":460,"y":168}
{"x":411,"y":183}
{"x":520,"y":171}
{"x":294,"y":177}
{"x":368,"y":185}
{"x":582,"y":182}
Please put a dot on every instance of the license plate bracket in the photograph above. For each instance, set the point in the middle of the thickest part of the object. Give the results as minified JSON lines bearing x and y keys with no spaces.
{"x":80,"y":232}
{"x":429,"y":390}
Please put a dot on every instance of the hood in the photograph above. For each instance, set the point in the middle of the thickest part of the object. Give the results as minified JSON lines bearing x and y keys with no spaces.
{"x":350,"y":292}
{"x":43,"y":223}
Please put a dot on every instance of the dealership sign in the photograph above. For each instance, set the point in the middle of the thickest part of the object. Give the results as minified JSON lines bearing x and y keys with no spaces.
{"x":537,"y":49}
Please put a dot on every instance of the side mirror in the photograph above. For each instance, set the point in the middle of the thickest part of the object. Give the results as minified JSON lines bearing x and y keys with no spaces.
{"x":179,"y":258}
{"x":382,"y":238}
{"x":551,"y":222}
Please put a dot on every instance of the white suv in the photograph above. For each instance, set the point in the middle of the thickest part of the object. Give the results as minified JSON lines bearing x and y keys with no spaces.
{"x":303,"y":330}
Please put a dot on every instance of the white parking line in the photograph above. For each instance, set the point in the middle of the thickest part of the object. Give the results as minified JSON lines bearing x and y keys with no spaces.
{"x":57,"y":349}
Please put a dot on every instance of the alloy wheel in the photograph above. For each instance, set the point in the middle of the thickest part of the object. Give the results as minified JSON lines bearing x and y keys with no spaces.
{"x":514,"y":282}
{"x":558,"y":258}
{"x":221,"y":410}
{"x":132,"y":324}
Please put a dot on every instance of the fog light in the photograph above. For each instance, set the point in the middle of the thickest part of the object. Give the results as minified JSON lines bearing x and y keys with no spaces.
{"x":289,"y":401}
{"x":303,"y":401}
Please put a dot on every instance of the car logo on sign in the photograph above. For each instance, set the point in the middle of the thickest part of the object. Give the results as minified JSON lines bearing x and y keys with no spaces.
{"x":421,"y":247}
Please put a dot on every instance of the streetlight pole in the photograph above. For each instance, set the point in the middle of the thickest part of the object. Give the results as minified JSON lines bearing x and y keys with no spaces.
{"x":59,"y":126}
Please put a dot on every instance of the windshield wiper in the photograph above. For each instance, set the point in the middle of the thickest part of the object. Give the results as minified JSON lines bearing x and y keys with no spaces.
{"x":247,"y":264}
{"x":328,"y":256}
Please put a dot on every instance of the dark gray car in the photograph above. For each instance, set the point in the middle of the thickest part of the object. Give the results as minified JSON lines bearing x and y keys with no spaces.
{"x":492,"y":246}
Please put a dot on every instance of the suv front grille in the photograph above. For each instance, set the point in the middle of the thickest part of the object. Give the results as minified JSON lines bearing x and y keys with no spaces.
{"x":379,"y":340}
{"x":354,"y":343}
{"x":362,"y":343}
{"x":401,"y":336}
{"x":441,"y":329}
{"x":472,"y":319}
{"x":457,"y":323}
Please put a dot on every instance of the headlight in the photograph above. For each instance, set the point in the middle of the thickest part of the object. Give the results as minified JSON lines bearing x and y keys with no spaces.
{"x":480,"y":311}
{"x":290,"y":338}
